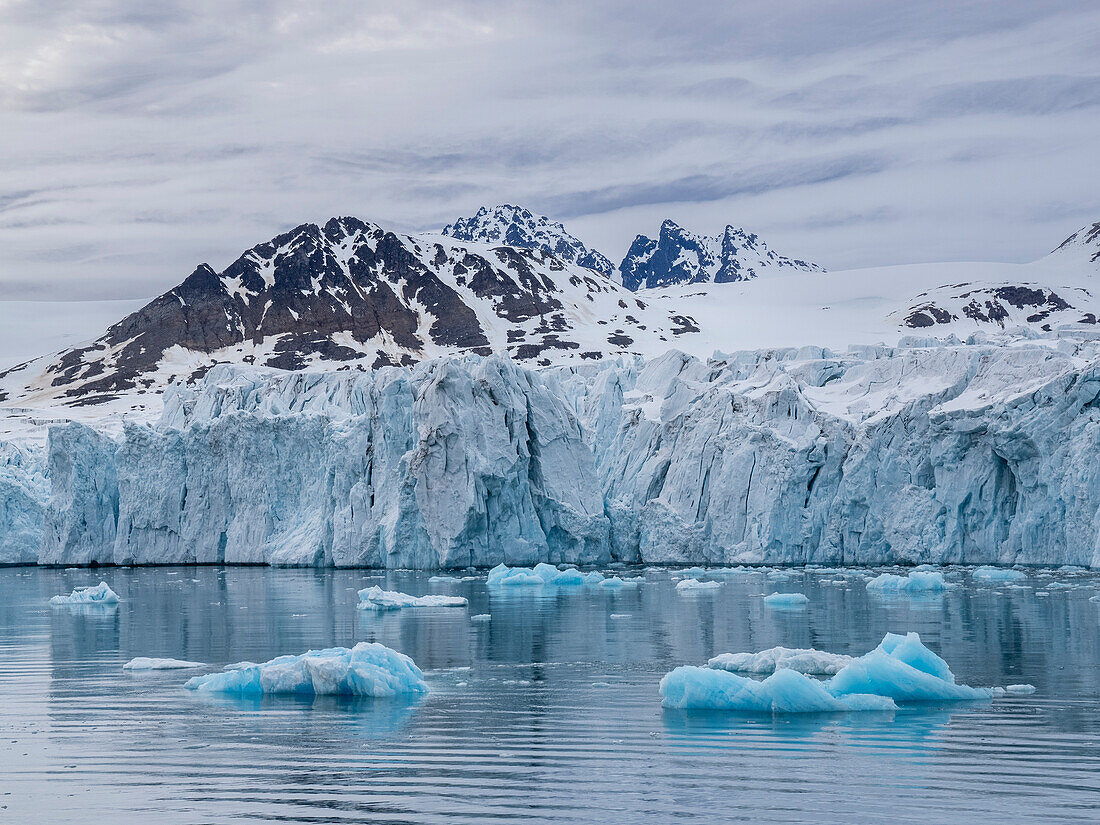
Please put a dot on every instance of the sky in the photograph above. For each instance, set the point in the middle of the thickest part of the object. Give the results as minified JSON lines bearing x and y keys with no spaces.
{"x":140,"y":139}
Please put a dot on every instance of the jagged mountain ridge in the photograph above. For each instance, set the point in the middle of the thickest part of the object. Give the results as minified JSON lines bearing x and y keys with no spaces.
{"x":678,"y":256}
{"x":352,"y":294}
{"x":519,"y":227}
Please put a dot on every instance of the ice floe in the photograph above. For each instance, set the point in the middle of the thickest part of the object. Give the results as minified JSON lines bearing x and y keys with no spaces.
{"x":368,"y":669}
{"x":919,"y":581}
{"x":147,"y":663}
{"x":900,"y":670}
{"x":997,"y":574}
{"x":800,"y":660}
{"x":378,"y":599}
{"x":93,"y":594}
{"x":1020,"y":690}
{"x":696,"y":586}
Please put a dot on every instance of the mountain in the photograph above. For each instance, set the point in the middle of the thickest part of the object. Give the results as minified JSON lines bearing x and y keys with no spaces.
{"x":519,"y":227}
{"x":350,"y":294}
{"x":1084,"y":245}
{"x":678,"y":256}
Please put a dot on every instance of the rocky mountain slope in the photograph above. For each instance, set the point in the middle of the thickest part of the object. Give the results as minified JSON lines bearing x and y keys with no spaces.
{"x":350,"y":294}
{"x":677,"y":256}
{"x":515,"y":226}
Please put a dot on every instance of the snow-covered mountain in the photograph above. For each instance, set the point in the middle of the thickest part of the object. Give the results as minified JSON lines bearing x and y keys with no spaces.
{"x":350,"y":294}
{"x":1082,"y":245}
{"x":678,"y":256}
{"x":519,"y":227}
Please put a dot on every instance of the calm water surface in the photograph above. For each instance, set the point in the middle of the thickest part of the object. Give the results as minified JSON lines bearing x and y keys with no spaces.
{"x":547,"y":713}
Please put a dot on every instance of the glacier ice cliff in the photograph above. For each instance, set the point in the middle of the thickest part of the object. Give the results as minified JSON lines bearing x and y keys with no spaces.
{"x":957,"y":453}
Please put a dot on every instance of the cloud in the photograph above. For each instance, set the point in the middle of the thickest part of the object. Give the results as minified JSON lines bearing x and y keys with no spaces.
{"x":141,"y":139}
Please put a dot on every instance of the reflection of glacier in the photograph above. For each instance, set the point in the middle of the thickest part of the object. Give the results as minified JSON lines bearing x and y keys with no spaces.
{"x":944,"y":453}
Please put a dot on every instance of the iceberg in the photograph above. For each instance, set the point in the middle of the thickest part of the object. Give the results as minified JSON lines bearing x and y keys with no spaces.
{"x":368,"y":669}
{"x":147,"y":663}
{"x":919,"y":581}
{"x":696,"y":586}
{"x":800,"y":660}
{"x":481,"y":617}
{"x":93,"y":594}
{"x":785,"y":691}
{"x":787,"y":600}
{"x":997,"y":574}
{"x":378,"y":599}
{"x":615,"y":583}
{"x":901,"y":670}
{"x":1020,"y":690}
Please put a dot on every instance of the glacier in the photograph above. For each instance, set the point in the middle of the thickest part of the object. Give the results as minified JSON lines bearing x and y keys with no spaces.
{"x":928,"y":452}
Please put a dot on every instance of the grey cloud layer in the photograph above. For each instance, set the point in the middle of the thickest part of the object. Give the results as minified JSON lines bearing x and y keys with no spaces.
{"x":140,"y":139}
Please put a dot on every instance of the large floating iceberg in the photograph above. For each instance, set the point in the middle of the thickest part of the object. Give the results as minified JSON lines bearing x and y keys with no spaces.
{"x":368,"y":669}
{"x":92,"y":594}
{"x":378,"y":599}
{"x":947,"y":454}
{"x":900,"y":670}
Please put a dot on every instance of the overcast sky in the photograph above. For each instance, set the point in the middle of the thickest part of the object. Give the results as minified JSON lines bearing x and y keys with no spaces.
{"x":138,"y":139}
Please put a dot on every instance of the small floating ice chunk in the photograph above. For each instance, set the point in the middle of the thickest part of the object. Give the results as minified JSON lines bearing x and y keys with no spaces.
{"x":481,"y":617}
{"x":696,"y":586}
{"x":443,"y":579}
{"x":147,"y":663}
{"x":595,"y":577}
{"x":800,"y":660}
{"x":93,"y":594}
{"x":615,"y":583}
{"x":919,"y":581}
{"x":378,"y":599}
{"x":504,"y":576}
{"x":786,"y":600}
{"x":1020,"y":690}
{"x":368,"y":669}
{"x":997,"y":574}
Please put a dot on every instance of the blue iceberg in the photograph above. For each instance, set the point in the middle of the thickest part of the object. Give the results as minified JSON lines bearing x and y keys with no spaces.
{"x":94,"y":594}
{"x":900,"y":670}
{"x":787,"y":600}
{"x":368,"y":669}
{"x":919,"y":581}
{"x":997,"y":574}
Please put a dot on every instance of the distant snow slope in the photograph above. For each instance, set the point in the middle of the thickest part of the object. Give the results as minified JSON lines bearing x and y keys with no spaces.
{"x":30,"y":329}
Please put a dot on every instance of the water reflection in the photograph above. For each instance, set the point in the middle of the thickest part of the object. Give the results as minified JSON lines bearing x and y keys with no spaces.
{"x":549,"y":711}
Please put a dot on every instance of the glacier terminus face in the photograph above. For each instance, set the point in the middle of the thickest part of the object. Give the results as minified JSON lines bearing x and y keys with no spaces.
{"x":924,"y":452}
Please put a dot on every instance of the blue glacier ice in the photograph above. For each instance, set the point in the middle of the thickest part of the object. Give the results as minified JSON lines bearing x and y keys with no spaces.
{"x":919,"y":581}
{"x":955,"y":453}
{"x":787,"y":600}
{"x":368,"y":669}
{"x":92,"y":594}
{"x":800,"y":660}
{"x":901,"y":670}
{"x":997,"y":574}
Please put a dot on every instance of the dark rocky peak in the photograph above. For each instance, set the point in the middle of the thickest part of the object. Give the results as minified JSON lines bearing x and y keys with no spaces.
{"x":516,"y":226}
